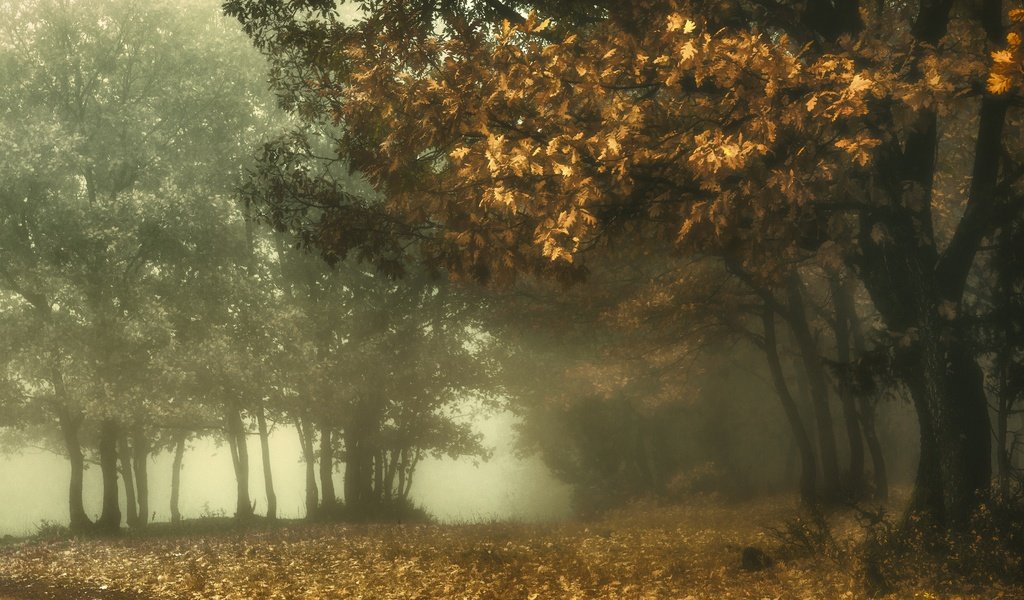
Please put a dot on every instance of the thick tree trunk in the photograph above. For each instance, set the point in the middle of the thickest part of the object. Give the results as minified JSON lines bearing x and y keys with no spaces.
{"x":128,"y":479}
{"x":808,"y":468}
{"x":358,"y":470}
{"x":327,"y":468}
{"x":817,"y":379}
{"x":309,"y":457}
{"x":240,"y":459}
{"x":268,"y":475}
{"x":179,"y":454}
{"x":140,"y":460}
{"x":110,"y":517}
{"x":71,"y":425}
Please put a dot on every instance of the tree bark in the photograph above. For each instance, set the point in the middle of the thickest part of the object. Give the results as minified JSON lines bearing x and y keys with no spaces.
{"x":808,"y":468}
{"x":327,"y":468}
{"x":841,"y":327}
{"x":811,"y":358}
{"x":140,"y":460}
{"x":268,"y":475}
{"x":358,"y":470}
{"x":128,"y":479}
{"x":309,"y":457}
{"x":240,"y":459}
{"x":110,"y":517}
{"x":71,"y":425}
{"x":179,"y":454}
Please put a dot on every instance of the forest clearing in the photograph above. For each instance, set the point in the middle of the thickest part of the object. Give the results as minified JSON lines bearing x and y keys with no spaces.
{"x":704,"y":282}
{"x":693,"y":551}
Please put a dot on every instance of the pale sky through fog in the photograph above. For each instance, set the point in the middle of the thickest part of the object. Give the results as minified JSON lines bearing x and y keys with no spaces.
{"x":452,"y":490}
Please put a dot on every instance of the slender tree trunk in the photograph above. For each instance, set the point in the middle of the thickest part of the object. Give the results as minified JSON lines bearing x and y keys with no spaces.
{"x":417,"y":454}
{"x":808,"y":468}
{"x":391,"y":462}
{"x":71,"y":425}
{"x":358,"y":473}
{"x":811,"y":359}
{"x":879,"y":471}
{"x":403,"y":455}
{"x":327,"y":468}
{"x":378,"y":475}
{"x":110,"y":517}
{"x":866,"y":402}
{"x":128,"y":478}
{"x":140,"y":460}
{"x":840,"y":300}
{"x":309,"y":457}
{"x":268,"y":475}
{"x":179,"y":454}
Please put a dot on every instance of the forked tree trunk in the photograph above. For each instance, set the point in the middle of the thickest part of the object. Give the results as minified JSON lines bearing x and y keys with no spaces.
{"x":240,"y":460}
{"x":110,"y":517}
{"x":811,"y":358}
{"x":808,"y":468}
{"x":71,"y":425}
{"x":866,"y":401}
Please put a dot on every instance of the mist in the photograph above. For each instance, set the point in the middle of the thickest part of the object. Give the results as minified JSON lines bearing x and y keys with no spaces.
{"x":511,"y":299}
{"x":505,"y":487}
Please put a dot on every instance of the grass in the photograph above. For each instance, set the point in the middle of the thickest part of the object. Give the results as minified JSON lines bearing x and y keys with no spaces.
{"x":690,"y":551}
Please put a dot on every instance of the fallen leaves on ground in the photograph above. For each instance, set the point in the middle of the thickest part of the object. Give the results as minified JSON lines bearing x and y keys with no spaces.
{"x":683,"y":552}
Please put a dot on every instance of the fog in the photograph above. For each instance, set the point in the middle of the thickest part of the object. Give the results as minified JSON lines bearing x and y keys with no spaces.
{"x":505,"y":487}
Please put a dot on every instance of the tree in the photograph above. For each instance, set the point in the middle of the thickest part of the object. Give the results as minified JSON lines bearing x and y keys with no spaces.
{"x":759,"y":133}
{"x":93,"y":223}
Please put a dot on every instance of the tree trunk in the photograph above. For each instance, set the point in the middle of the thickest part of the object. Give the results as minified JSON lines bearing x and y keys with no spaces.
{"x":816,"y":378}
{"x":110,"y":517}
{"x":71,"y":425}
{"x":841,"y":327}
{"x":240,"y":459}
{"x":327,"y":468}
{"x":268,"y":475}
{"x":309,"y":457}
{"x":880,"y":476}
{"x":140,"y":460}
{"x":358,"y":470}
{"x":808,"y":468}
{"x":179,"y":454}
{"x":128,"y":479}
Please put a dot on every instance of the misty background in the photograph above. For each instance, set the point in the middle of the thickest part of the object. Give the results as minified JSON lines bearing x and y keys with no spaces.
{"x":504,"y":487}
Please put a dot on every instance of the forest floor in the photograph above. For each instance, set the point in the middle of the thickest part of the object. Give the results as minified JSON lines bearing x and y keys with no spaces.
{"x":688,"y":551}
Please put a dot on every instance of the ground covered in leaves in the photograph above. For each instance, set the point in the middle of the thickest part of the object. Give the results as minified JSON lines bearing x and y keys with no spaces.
{"x":691,"y":551}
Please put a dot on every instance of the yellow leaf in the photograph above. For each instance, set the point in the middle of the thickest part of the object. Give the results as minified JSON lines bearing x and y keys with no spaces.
{"x":688,"y":51}
{"x":998,"y":83}
{"x":860,"y":83}
{"x":1002,"y":56}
